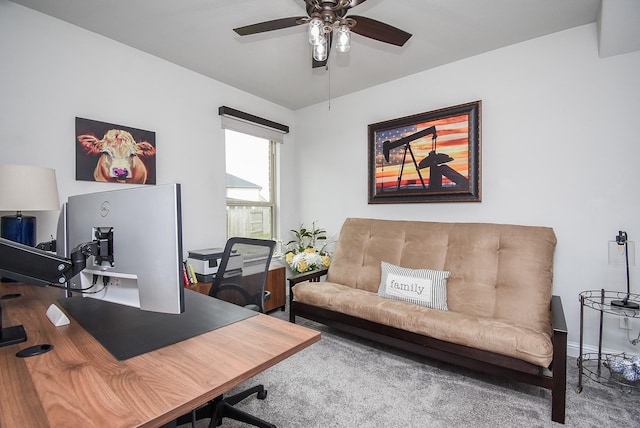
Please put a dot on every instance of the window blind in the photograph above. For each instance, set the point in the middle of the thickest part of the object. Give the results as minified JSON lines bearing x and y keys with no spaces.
{"x":246,"y":123}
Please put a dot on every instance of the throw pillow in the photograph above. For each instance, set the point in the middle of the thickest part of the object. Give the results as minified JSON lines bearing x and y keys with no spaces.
{"x":424,"y":287}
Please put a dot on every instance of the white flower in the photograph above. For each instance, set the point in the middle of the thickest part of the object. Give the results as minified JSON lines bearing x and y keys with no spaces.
{"x":297,"y":259}
{"x":304,"y":257}
{"x":313,"y":259}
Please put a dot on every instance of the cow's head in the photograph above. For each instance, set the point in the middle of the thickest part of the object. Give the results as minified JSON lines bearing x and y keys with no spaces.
{"x":119,"y":152}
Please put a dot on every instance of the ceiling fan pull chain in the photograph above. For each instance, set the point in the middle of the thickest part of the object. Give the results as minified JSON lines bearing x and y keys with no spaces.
{"x":329,"y":74}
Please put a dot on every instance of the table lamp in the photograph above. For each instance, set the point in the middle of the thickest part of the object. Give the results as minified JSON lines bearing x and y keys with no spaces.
{"x":25,"y":188}
{"x":617,"y":250}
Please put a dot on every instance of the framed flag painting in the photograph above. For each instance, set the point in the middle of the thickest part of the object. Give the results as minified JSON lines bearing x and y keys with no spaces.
{"x":427,"y":157}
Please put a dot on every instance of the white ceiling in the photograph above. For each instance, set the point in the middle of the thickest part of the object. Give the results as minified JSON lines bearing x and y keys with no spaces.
{"x":197,"y":34}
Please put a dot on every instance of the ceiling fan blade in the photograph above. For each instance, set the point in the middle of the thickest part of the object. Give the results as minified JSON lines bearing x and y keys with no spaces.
{"x":262,"y":27}
{"x":379,"y":31}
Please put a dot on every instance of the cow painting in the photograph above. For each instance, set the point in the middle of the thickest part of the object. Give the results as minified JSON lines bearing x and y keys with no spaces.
{"x":120,"y":158}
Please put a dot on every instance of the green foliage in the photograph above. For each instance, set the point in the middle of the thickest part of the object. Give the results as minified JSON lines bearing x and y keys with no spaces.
{"x":302,"y":254}
{"x":307,"y":238}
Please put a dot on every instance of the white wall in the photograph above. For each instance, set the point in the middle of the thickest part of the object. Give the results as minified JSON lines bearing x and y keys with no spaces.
{"x":53,"y":71}
{"x":560,"y":148}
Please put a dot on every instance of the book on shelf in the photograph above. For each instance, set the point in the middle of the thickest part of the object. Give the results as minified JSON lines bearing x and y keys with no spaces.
{"x":192,"y":272}
{"x":185,"y":274}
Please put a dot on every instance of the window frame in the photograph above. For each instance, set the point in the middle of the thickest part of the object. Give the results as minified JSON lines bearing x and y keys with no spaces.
{"x":273,"y":188}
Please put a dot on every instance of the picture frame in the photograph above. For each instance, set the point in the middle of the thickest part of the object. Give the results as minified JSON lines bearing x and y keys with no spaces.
{"x":426,"y":157}
{"x":108,"y":152}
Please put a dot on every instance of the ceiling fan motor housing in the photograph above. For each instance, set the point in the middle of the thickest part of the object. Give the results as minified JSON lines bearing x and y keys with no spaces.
{"x":328,"y":11}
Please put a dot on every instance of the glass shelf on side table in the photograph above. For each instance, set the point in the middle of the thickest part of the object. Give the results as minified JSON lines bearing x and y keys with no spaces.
{"x":600,"y":300}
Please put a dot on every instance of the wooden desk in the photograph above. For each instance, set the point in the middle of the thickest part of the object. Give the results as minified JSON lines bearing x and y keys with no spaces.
{"x":79,"y":383}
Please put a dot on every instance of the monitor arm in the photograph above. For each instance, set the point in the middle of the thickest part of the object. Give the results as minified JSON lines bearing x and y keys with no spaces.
{"x":35,"y":266}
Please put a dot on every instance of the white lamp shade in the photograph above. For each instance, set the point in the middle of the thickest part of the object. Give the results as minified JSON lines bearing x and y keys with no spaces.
{"x":28,"y":188}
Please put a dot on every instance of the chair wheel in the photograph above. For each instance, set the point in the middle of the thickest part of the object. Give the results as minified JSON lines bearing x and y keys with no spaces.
{"x":262,"y":394}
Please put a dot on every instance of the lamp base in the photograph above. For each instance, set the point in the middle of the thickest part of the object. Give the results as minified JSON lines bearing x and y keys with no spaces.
{"x":18,"y":228}
{"x":625,"y":304}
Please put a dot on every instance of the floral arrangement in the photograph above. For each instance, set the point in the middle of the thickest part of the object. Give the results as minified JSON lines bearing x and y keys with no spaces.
{"x":303,"y":254}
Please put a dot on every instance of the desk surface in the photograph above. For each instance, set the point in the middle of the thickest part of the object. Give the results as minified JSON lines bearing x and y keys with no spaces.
{"x":79,"y":383}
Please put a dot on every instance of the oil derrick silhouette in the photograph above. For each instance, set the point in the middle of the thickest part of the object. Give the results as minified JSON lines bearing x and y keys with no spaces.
{"x":434,"y":161}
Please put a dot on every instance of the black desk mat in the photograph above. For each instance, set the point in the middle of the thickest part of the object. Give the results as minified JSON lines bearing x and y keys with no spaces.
{"x":127,"y":332}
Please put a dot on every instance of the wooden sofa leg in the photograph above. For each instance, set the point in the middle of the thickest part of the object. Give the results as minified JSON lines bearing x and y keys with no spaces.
{"x":559,"y":395}
{"x":559,"y":382}
{"x":559,"y":364}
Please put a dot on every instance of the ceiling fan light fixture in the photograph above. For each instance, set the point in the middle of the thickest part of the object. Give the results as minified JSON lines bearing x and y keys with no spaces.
{"x":328,"y":24}
{"x":343,"y":38}
{"x":316,"y":31}
{"x":320,"y":50}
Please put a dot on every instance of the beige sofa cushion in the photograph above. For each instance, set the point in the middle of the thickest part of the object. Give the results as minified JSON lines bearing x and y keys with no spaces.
{"x":491,"y":334}
{"x":498,"y":271}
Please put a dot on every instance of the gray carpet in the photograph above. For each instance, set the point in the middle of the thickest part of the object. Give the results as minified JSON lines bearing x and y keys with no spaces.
{"x":343,"y":381}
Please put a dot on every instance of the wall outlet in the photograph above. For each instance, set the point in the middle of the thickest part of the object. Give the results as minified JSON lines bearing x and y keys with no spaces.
{"x":625,"y":323}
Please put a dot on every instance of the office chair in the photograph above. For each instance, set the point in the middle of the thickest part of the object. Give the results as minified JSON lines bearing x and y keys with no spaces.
{"x":241,"y":279}
{"x":242,"y":273}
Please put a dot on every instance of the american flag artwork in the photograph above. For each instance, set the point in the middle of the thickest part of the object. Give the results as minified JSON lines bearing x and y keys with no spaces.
{"x":410,"y":166}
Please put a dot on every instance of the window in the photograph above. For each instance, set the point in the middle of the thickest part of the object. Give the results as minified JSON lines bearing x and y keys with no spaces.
{"x":250,"y":167}
{"x":250,"y":143}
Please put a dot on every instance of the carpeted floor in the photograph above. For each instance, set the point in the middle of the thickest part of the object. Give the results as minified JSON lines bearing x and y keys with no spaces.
{"x":343,"y":381}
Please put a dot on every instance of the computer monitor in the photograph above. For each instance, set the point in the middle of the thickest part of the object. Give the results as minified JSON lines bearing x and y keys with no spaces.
{"x":144,"y":225}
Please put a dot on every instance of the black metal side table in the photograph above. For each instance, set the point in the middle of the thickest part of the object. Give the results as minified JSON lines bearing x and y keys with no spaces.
{"x":593,"y":364}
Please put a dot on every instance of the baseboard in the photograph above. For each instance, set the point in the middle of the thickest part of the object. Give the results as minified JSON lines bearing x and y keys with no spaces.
{"x":573,"y":349}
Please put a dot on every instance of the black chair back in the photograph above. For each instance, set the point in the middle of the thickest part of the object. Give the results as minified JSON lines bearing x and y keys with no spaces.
{"x":242,"y":274}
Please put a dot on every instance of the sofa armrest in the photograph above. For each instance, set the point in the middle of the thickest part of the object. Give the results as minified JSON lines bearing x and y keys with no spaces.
{"x":313,"y":276}
{"x":558,"y":322}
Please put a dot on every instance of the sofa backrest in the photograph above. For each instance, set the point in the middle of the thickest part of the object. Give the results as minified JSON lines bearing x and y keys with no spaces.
{"x":497,"y":270}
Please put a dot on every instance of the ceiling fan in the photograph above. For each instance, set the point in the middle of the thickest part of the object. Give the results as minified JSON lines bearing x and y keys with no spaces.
{"x":326,"y":18}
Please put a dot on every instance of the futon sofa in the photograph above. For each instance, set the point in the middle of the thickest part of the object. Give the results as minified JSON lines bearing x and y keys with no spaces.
{"x":477,"y":295}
